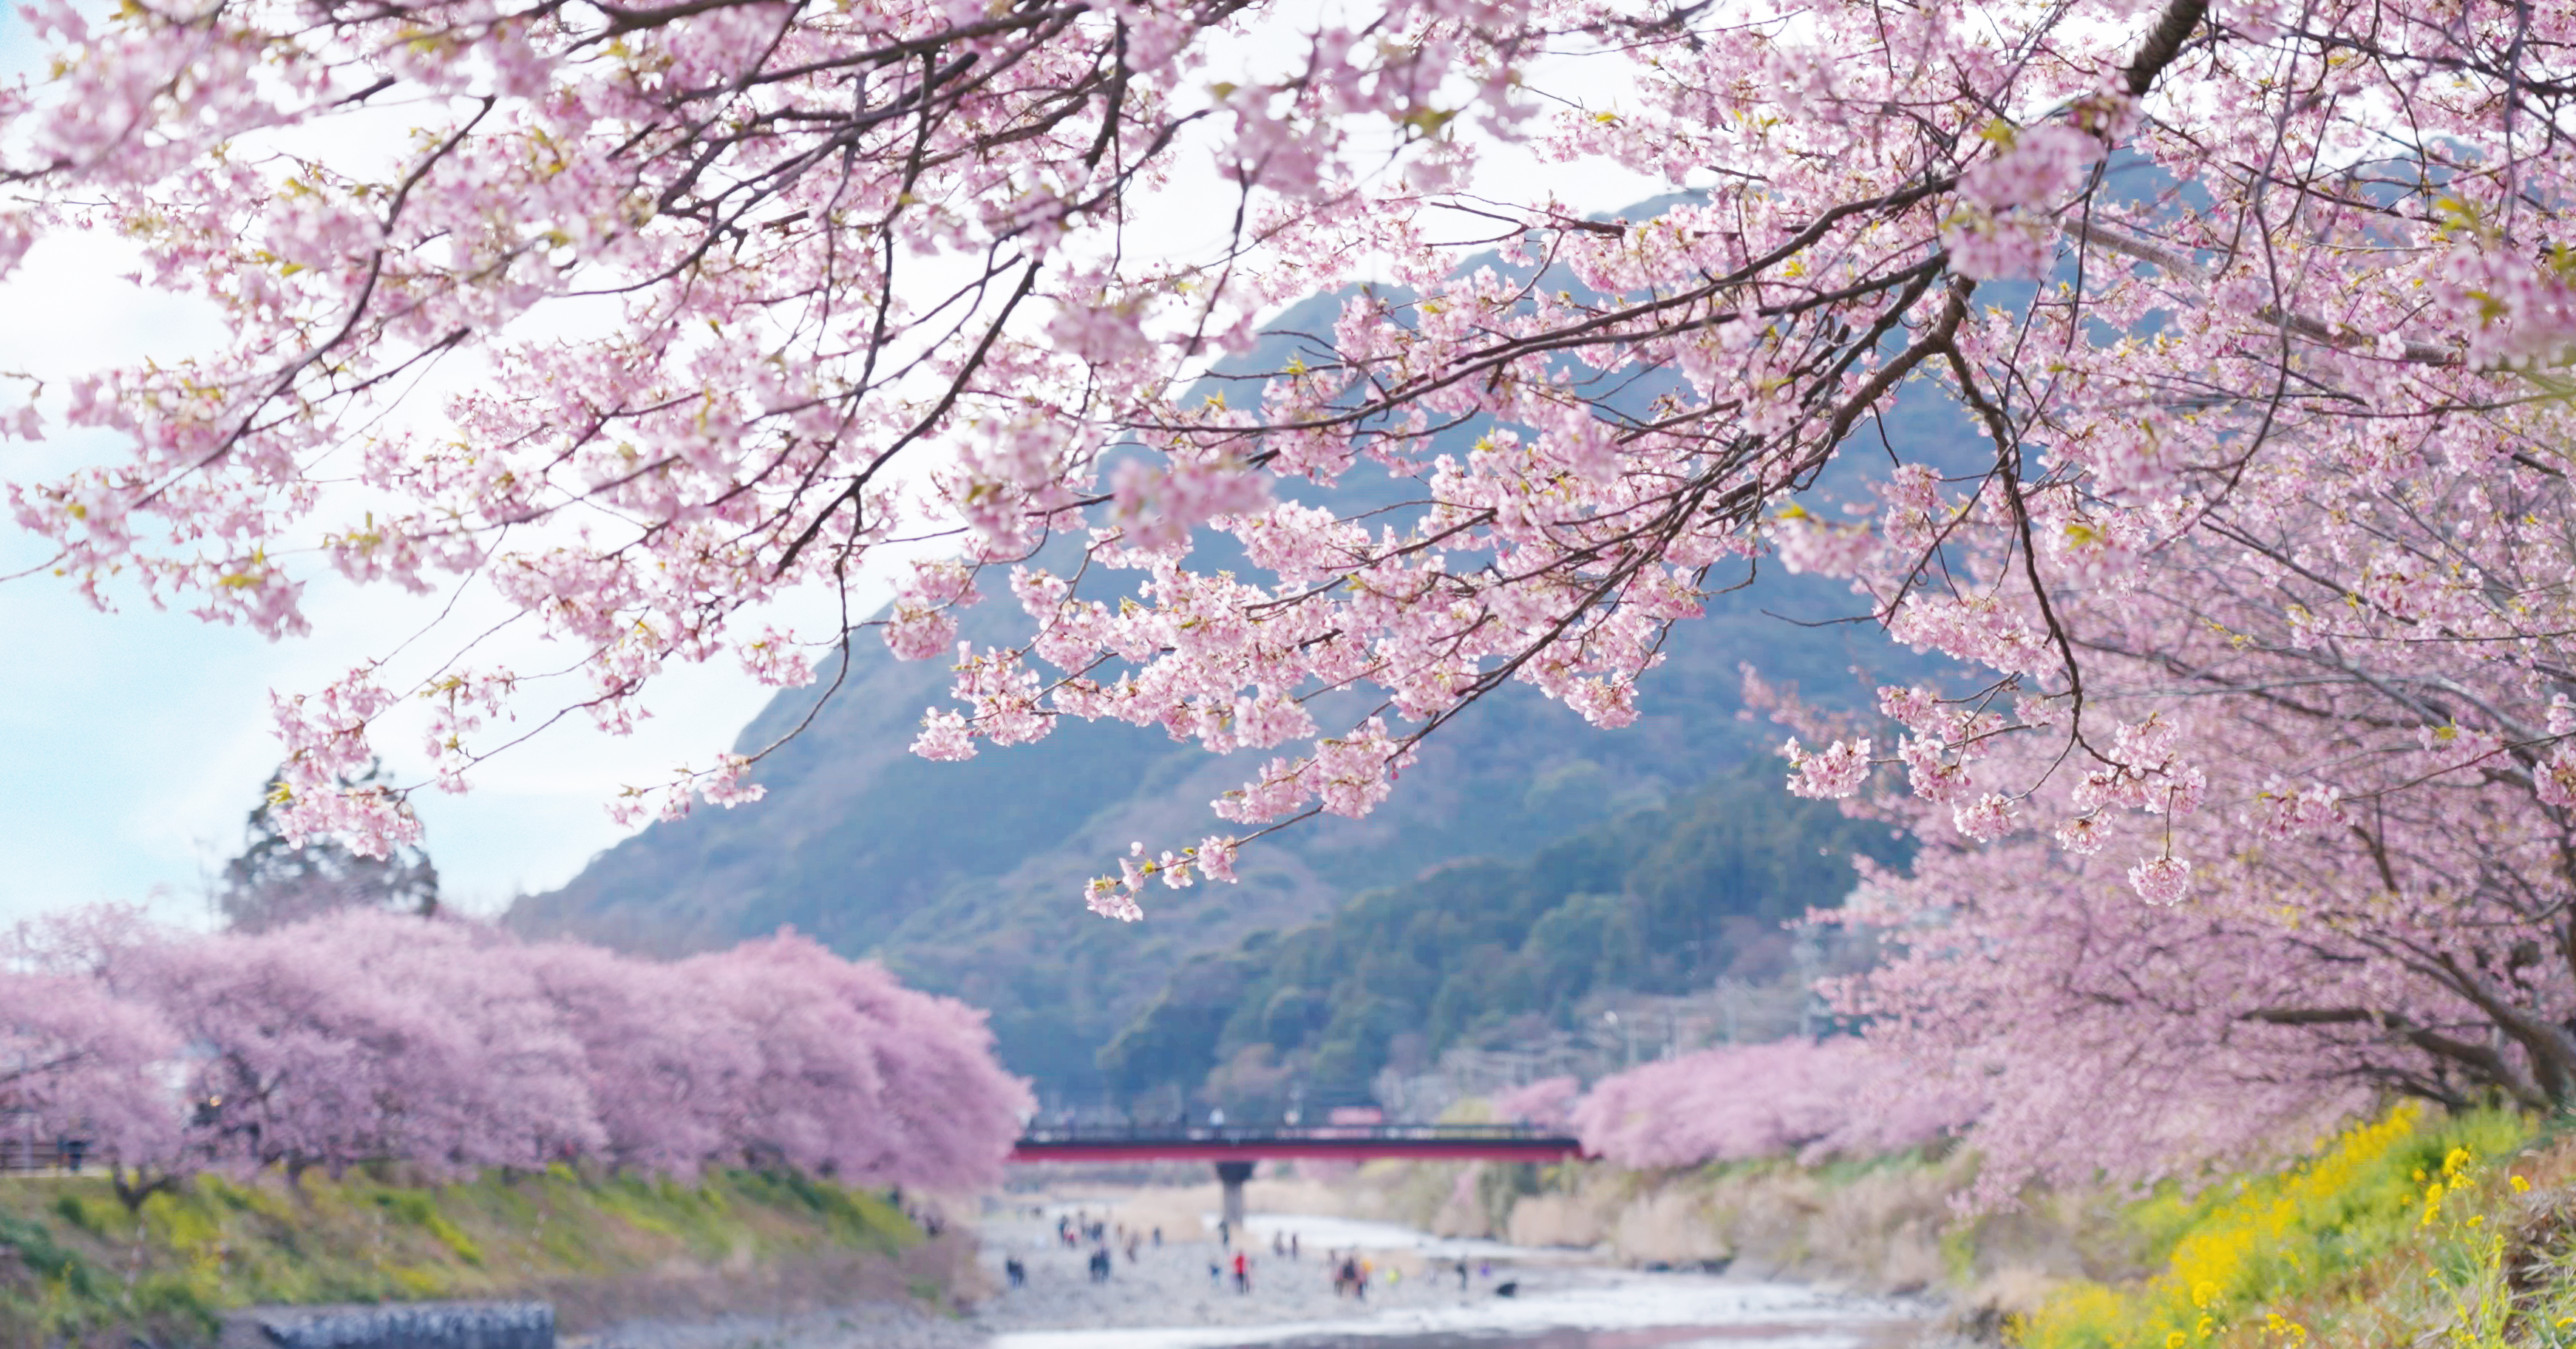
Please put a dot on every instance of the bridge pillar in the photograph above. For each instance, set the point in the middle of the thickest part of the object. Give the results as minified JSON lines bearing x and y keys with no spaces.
{"x":1232,"y":1175}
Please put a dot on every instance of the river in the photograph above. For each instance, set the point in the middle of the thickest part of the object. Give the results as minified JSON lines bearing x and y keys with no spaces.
{"x":1168,"y":1297}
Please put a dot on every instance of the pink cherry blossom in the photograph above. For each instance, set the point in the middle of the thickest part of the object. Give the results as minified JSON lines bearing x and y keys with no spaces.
{"x":364,"y":1035}
{"x":2161,"y":880}
{"x":2232,"y":549}
{"x":1548,"y":1101}
{"x":1838,"y":772}
{"x":1793,"y":1097}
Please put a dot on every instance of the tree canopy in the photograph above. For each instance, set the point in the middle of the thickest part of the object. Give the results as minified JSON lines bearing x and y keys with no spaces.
{"x":362,"y":1035}
{"x":2261,"y":310}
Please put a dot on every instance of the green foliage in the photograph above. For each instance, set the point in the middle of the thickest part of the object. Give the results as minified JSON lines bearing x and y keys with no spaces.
{"x":857,"y":1217}
{"x":417,"y":1208}
{"x":77,"y":1213}
{"x":52,"y":1292}
{"x":50,"y":1262}
{"x":1659,"y":900}
{"x":2280,"y":1257}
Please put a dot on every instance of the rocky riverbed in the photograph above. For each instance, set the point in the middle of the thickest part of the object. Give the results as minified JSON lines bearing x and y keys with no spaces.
{"x":1166,"y":1297}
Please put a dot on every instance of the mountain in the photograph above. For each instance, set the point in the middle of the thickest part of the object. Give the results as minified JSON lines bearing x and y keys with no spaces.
{"x":965,"y":878}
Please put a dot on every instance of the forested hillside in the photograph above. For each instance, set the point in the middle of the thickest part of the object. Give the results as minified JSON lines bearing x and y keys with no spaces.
{"x":1658,"y":900}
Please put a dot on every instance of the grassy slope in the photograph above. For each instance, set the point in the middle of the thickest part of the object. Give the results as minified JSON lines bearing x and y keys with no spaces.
{"x":82,"y":1269}
{"x":2410,"y":1230}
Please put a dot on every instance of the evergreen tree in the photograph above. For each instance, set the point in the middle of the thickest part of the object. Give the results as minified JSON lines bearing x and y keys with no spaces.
{"x":277,"y":881}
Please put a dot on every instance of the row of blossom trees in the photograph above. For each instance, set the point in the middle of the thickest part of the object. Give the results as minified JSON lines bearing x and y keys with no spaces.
{"x":2252,"y":790}
{"x":1802,"y":1098}
{"x":364,"y":1034}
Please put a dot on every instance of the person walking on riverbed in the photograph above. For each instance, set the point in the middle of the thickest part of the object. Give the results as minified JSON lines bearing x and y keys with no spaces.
{"x":1242,"y":1272}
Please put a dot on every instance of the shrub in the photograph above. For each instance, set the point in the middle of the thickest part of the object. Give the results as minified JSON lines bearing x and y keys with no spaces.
{"x":2240,"y":1254}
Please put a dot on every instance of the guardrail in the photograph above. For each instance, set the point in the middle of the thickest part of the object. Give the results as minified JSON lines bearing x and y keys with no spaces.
{"x":28,"y":1155}
{"x":1232,"y":1133}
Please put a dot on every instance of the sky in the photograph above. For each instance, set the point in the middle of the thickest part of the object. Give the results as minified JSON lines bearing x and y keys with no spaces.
{"x":133,"y":744}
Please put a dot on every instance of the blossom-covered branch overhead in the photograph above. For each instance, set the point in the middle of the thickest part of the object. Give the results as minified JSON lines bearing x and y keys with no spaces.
{"x":2256,"y":312}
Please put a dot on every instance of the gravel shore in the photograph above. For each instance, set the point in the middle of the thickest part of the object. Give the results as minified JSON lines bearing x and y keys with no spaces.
{"x":1170,"y":1285}
{"x":1168,"y":1289}
{"x":1161,"y":1286}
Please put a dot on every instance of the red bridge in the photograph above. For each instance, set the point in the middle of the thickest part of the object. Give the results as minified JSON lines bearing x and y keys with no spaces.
{"x":1234,"y":1148}
{"x":1341,"y":1142}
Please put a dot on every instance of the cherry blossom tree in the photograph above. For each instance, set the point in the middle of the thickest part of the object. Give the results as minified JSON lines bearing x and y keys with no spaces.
{"x":365,"y":1035}
{"x":1547,"y":1102}
{"x":765,"y":194}
{"x":76,"y":1062}
{"x":663,"y":1061}
{"x":944,"y":1096}
{"x":858,"y":1077}
{"x":1801,"y":1098}
{"x":2256,"y":313}
{"x":2398,"y":924}
{"x":779,"y":1051}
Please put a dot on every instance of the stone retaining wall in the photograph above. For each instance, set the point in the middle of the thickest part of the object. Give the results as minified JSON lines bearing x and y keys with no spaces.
{"x":395,"y":1325}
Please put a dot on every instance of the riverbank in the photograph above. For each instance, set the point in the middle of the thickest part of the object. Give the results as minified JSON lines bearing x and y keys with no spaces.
{"x":1885,"y":1226}
{"x":76,"y":1266}
{"x":753,"y":1261}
